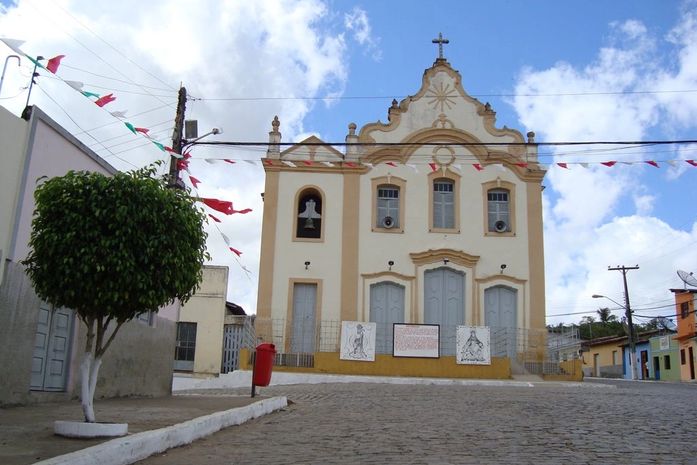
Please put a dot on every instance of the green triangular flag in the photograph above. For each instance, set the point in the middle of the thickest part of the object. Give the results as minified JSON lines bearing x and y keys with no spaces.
{"x":130,"y":126}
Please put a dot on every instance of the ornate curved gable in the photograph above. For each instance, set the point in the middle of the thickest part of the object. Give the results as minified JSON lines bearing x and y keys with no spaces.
{"x":442,"y":112}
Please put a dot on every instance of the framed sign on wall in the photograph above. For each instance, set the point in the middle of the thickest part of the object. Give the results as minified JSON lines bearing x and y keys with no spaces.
{"x":416,"y":340}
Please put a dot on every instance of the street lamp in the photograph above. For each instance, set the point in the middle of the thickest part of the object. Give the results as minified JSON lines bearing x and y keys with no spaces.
{"x":183,"y":144}
{"x":632,"y":339}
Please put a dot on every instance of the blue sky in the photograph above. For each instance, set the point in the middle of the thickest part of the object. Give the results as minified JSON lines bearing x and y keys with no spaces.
{"x":602,"y":52}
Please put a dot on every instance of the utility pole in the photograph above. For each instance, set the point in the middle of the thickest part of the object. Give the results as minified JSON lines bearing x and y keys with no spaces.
{"x":628,"y":313}
{"x":177,"y":137}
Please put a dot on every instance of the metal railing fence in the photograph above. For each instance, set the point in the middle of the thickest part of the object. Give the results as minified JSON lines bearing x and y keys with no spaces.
{"x":534,"y":351}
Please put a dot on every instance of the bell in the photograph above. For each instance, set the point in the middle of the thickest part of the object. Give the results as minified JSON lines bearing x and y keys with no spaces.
{"x":309,"y":214}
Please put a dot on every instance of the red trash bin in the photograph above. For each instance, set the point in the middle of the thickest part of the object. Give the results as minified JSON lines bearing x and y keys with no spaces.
{"x":263,"y":363}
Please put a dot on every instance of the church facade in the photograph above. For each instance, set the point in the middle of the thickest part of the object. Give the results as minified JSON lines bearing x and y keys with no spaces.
{"x":433,"y":218}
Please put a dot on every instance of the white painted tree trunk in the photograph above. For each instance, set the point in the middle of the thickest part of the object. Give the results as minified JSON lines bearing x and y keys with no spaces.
{"x":89,"y":369}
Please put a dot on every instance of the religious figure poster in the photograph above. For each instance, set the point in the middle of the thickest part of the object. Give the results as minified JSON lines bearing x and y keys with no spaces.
{"x":473,"y":345}
{"x":358,"y":341}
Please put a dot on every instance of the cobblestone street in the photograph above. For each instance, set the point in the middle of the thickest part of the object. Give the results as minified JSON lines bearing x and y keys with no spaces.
{"x":632,"y":423}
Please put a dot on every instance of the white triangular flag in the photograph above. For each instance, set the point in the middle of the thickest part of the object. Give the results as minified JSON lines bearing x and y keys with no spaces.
{"x":119,"y":114}
{"x":77,"y":85}
{"x":14,"y":44}
{"x":251,"y":162}
{"x":289,"y":163}
{"x":212,"y":161}
{"x":225,"y":238}
{"x":416,"y":170}
{"x":326,"y":163}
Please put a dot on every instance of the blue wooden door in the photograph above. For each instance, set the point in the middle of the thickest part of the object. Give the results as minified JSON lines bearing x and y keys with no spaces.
{"x":304,"y":311}
{"x":500,"y":314}
{"x":444,"y":304}
{"x":386,"y":308}
{"x":51,"y":349}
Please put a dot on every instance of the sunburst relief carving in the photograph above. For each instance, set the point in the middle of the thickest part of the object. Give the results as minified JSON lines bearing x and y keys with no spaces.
{"x":441,"y":95}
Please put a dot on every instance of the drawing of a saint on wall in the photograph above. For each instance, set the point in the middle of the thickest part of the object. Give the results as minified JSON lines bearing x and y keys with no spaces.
{"x":473,"y":345}
{"x":358,"y":341}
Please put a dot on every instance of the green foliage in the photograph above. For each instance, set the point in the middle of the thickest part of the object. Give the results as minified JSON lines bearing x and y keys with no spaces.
{"x":116,"y":246}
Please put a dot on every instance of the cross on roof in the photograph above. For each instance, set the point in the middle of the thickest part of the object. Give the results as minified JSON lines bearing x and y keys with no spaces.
{"x":440,"y":41}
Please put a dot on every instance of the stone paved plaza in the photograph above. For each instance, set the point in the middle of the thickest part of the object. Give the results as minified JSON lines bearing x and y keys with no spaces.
{"x":547,"y":423}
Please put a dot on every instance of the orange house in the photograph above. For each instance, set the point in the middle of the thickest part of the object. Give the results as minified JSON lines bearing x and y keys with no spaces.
{"x":687,"y":331}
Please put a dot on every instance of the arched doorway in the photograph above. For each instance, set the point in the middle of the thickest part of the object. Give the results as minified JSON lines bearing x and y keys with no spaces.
{"x":501,"y":315}
{"x":444,"y":304}
{"x":386,"y":308}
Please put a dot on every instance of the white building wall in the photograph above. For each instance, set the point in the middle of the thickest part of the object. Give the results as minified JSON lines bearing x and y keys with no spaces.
{"x":13,"y":134}
{"x":324,"y":256}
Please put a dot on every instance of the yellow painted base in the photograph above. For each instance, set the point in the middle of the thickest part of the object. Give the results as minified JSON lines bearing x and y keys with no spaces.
{"x":387,"y":365}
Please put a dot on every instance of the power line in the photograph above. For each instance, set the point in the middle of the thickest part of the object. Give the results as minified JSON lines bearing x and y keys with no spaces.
{"x":64,"y":65}
{"x":475,"y":95}
{"x":114,"y":48}
{"x":96,"y":54}
{"x":79,"y":127}
{"x":443,"y":144}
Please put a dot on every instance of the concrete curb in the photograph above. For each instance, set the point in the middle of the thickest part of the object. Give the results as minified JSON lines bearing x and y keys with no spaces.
{"x":241,"y":379}
{"x":130,"y":449}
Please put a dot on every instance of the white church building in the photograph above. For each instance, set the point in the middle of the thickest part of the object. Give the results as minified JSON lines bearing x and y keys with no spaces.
{"x":433,"y":218}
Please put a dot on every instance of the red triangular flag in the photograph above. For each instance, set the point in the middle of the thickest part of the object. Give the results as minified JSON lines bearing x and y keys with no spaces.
{"x":194,"y":181}
{"x":183,"y":164}
{"x":227,"y":160}
{"x":268,"y":162}
{"x":101,"y":101}
{"x":692,"y":162}
{"x":307,"y":162}
{"x":54,"y":63}
{"x":235,"y":251}
{"x":186,"y":156}
{"x":350,"y":164}
{"x":391,"y":163}
{"x":142,"y":130}
{"x":244,"y":212}
{"x":215,"y":218}
{"x":652,"y":163}
{"x":608,"y":163}
{"x":563,"y":165}
{"x":223,"y":206}
{"x":477,"y":166}
{"x":522,"y":165}
{"x":433,"y":166}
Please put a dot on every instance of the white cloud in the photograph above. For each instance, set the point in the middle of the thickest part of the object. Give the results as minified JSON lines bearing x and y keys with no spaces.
{"x":583,"y":232}
{"x":218,"y":50}
{"x":357,"y":21}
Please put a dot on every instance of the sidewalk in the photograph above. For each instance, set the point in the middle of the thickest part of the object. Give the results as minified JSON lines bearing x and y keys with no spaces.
{"x":26,"y":433}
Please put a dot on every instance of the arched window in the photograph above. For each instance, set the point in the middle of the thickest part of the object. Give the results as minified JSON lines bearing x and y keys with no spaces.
{"x":309,"y":215}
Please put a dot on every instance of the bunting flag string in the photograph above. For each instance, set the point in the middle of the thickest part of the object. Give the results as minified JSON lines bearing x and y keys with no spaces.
{"x":237,"y":253}
{"x":436,"y":166}
{"x":101,"y":101}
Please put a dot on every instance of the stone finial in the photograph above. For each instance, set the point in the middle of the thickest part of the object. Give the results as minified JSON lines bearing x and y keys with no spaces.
{"x":531,"y":137}
{"x":394,"y":103}
{"x":352,"y":138}
{"x":487,"y":107}
{"x":274,"y":149}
